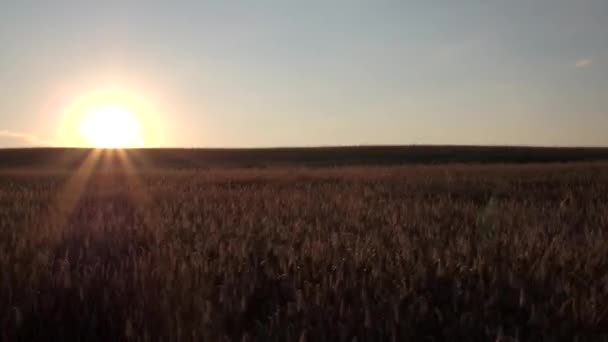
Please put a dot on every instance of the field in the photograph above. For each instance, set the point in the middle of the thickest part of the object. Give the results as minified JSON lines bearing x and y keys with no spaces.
{"x":109,"y":246}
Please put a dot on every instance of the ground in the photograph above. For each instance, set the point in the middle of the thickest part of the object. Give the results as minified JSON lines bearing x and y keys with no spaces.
{"x":123,"y":246}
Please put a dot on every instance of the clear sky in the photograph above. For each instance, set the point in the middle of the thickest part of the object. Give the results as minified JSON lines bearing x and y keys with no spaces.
{"x":308,"y":73}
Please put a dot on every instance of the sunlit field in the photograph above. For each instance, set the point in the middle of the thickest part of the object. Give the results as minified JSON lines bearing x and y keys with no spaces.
{"x":113,"y":246}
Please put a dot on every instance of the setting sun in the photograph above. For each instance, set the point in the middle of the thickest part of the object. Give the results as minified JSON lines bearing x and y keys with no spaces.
{"x":111,"y":126}
{"x":111,"y":118}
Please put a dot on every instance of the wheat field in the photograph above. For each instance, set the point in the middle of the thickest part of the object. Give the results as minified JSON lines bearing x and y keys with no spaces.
{"x":438,"y":252}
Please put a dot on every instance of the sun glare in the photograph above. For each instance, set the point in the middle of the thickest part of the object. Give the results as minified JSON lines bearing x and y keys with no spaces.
{"x":111,"y":126}
{"x":111,"y":118}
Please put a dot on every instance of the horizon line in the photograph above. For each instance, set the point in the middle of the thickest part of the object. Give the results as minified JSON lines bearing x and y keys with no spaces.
{"x":284,"y":147}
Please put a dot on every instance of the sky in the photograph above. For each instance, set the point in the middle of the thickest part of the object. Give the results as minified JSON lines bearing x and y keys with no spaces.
{"x":311,"y":73}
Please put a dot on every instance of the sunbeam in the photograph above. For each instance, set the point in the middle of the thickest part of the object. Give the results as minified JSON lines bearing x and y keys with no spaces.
{"x":70,"y":194}
{"x":52,"y":225}
{"x":137,"y":193}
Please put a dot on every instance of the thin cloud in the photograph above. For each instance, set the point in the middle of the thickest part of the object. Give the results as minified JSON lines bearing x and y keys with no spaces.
{"x":22,"y":139}
{"x":583,"y":63}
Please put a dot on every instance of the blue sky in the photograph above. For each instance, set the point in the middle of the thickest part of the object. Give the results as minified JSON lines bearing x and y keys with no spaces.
{"x":308,"y":73}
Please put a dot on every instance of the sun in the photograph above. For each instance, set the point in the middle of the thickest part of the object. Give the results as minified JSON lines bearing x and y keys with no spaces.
{"x":111,"y":126}
{"x":111,"y":117}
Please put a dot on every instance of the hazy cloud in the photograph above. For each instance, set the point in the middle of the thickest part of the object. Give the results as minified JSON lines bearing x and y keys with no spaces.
{"x":16,"y":139}
{"x":583,"y":63}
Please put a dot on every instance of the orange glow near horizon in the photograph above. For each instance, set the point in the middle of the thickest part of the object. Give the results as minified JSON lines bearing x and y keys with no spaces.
{"x":111,"y":118}
{"x":111,"y":126}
